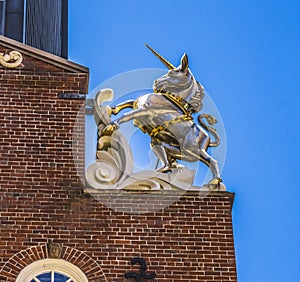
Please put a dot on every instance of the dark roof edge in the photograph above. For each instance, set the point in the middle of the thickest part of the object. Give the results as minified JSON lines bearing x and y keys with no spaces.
{"x":42,"y":55}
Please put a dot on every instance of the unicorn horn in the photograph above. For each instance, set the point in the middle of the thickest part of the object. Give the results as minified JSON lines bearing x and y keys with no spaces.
{"x":163,"y":60}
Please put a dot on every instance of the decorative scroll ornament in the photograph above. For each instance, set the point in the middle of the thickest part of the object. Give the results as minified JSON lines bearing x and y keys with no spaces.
{"x":114,"y":157}
{"x":11,"y":60}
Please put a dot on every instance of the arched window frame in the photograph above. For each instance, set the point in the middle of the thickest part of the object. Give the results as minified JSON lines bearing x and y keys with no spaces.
{"x":46,"y":265}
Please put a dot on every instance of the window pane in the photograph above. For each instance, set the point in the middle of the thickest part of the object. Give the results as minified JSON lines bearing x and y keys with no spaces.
{"x":45,"y":277}
{"x":58,"y":277}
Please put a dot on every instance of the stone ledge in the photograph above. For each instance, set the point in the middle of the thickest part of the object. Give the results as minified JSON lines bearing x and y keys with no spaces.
{"x":160,"y":192}
{"x":170,"y":196}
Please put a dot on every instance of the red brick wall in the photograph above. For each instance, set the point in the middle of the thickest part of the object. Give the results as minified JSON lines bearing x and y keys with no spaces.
{"x":37,"y":126}
{"x":41,"y":198}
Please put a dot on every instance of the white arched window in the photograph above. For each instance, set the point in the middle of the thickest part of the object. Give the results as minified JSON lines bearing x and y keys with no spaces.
{"x":51,"y":270}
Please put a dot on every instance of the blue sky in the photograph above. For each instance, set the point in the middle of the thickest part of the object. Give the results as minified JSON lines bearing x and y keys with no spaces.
{"x":247,"y":55}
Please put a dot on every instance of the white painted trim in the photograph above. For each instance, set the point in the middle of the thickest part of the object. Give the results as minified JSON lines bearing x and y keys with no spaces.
{"x":46,"y":265}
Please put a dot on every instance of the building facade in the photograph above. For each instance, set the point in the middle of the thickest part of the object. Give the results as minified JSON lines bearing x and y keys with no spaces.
{"x":50,"y":228}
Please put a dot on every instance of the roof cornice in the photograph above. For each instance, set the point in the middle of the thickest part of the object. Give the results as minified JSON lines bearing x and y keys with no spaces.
{"x":42,"y":55}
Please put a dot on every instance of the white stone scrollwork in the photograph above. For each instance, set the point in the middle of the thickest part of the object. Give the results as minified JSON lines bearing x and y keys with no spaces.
{"x":111,"y":167}
{"x":11,"y":60}
{"x":113,"y":158}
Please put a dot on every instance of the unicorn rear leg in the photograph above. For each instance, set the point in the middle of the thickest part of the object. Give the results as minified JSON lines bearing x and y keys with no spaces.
{"x":210,"y":162}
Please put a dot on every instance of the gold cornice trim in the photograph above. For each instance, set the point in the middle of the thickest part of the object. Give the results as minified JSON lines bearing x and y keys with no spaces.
{"x":11,"y":60}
